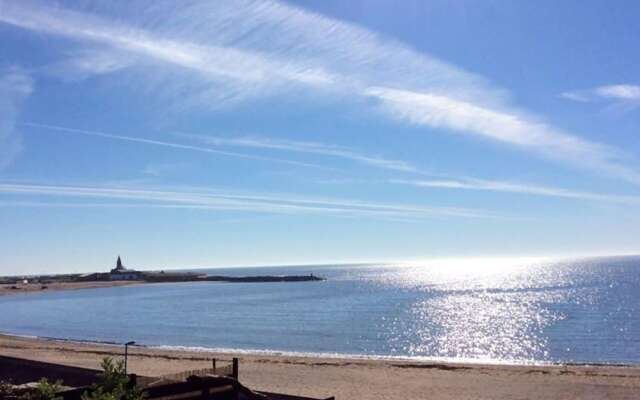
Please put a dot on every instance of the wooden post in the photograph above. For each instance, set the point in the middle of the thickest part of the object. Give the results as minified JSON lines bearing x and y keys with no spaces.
{"x":205,"y":389}
{"x":213,"y":365}
{"x":235,"y":368}
{"x":133,"y":380}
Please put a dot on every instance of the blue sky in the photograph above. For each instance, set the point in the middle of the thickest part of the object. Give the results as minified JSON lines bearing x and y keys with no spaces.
{"x":252,"y":133}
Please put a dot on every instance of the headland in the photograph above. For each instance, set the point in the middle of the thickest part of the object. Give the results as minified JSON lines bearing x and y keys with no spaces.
{"x":121,"y":276}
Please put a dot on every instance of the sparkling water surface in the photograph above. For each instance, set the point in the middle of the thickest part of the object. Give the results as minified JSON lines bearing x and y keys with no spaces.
{"x":498,"y":310}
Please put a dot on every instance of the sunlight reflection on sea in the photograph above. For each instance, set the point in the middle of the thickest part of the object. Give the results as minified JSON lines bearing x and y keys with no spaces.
{"x":485,"y":310}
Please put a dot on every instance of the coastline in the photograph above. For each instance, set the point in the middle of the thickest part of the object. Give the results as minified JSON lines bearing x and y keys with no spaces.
{"x":6,"y":288}
{"x":355,"y":377}
{"x":206,"y":353}
{"x":20,"y":288}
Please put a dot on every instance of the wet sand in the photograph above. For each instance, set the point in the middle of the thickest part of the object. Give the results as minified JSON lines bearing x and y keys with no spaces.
{"x":356,"y":378}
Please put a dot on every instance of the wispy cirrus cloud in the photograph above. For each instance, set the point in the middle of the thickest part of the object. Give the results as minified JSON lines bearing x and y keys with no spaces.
{"x":507,"y":126}
{"x":438,"y":179}
{"x":160,"y":169}
{"x":239,"y":71}
{"x":86,"y":63}
{"x":614,"y":99}
{"x":518,"y":188}
{"x":305,"y":147}
{"x":232,"y":201}
{"x":15,"y":86}
{"x":173,"y":145}
{"x":256,"y":49}
{"x":623,"y":92}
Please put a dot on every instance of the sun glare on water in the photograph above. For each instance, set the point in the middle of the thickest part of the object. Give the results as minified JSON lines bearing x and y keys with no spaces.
{"x":480,"y":308}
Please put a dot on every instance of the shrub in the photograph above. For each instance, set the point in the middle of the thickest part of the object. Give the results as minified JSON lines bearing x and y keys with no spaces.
{"x":115,"y":384}
{"x":45,"y":390}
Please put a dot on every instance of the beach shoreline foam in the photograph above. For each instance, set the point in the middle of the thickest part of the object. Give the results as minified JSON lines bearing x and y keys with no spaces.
{"x":331,"y":356}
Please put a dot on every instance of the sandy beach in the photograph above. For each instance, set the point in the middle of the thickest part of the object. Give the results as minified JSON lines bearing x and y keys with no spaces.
{"x":359,"y":379}
{"x":10,"y":289}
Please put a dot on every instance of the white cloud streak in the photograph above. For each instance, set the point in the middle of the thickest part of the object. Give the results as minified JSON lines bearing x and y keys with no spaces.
{"x":623,"y":92}
{"x":160,"y":169}
{"x":243,"y":202}
{"x":519,"y":188}
{"x":440,"y":180}
{"x":246,"y":49}
{"x":240,"y":72}
{"x":15,"y":87}
{"x":179,"y":146}
{"x":84,"y":64}
{"x":504,"y":126}
{"x":306,"y":147}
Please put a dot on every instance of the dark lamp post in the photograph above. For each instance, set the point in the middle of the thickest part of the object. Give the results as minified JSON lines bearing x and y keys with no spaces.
{"x":126,"y":354}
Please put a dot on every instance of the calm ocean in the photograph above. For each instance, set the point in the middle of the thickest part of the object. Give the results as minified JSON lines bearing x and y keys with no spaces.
{"x":583,"y":311}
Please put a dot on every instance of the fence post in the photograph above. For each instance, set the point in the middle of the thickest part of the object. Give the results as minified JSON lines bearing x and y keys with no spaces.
{"x":133,"y":380}
{"x":213,"y":364}
{"x":205,"y":389}
{"x":235,"y":368}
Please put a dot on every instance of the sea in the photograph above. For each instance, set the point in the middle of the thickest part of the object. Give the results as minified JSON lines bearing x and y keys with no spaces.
{"x":488,"y":310}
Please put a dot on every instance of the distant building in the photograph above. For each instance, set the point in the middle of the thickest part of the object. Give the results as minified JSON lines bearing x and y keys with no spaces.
{"x":93,"y":277}
{"x":120,"y":273}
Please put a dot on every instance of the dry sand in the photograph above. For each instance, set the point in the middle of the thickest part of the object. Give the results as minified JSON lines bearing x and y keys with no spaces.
{"x":9,"y":289}
{"x":360,"y":379}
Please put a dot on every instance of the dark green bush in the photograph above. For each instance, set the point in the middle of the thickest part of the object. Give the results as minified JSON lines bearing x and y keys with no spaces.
{"x":115,"y":384}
